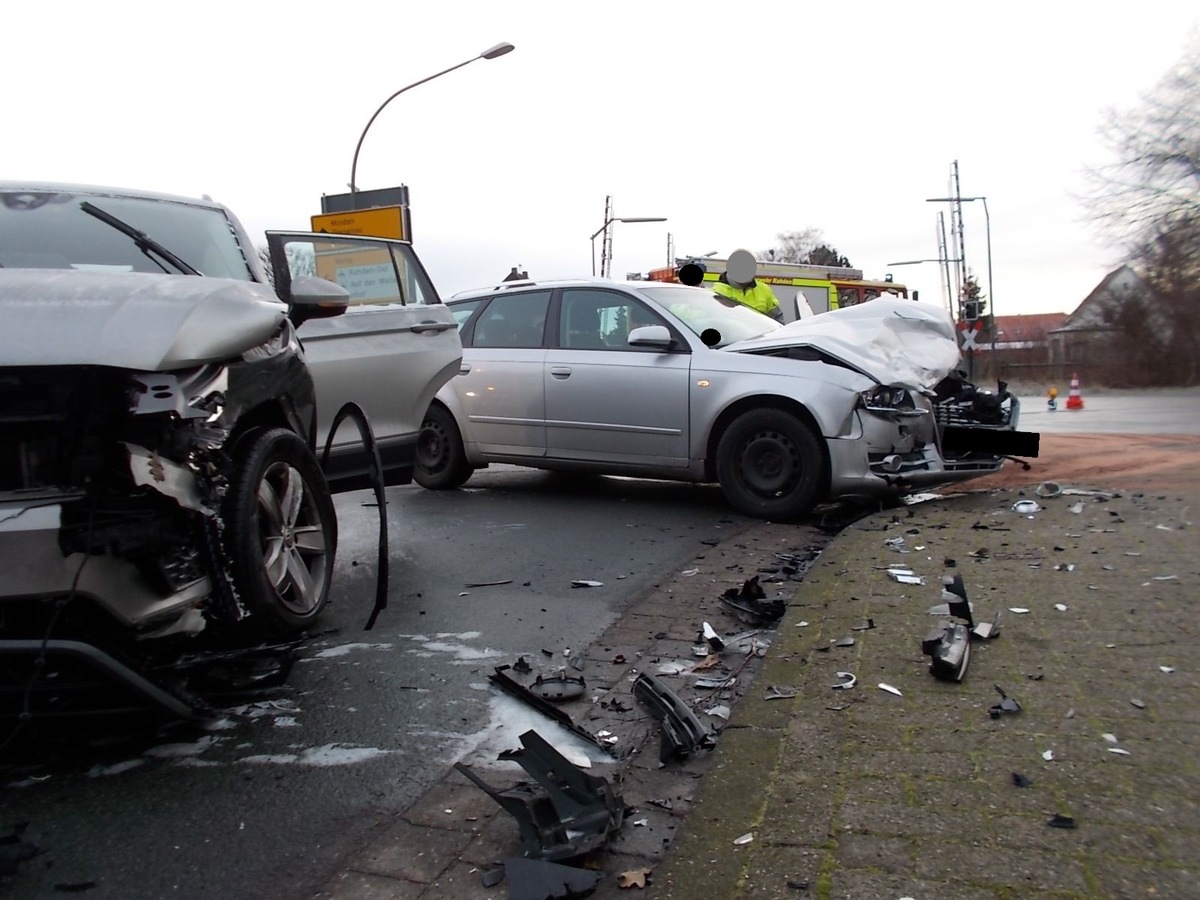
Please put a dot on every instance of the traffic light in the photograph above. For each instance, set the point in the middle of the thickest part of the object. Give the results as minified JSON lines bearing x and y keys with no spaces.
{"x":971,"y":310}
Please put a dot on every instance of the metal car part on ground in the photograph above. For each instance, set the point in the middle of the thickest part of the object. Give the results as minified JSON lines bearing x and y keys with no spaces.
{"x":666,"y":381}
{"x":571,"y":814}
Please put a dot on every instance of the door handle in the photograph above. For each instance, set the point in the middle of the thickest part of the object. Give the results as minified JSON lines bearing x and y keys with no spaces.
{"x":464,"y":369}
{"x":432,"y":326}
{"x":561,"y":371}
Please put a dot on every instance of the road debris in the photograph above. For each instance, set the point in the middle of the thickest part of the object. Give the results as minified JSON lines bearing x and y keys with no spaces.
{"x":477,"y":584}
{"x":905,"y":576}
{"x":584,"y":583}
{"x":710,"y":636}
{"x":890,"y":689}
{"x":1006,"y":705}
{"x":1018,"y":610}
{"x":751,"y":605}
{"x":518,"y":690}
{"x":1048,"y":489}
{"x":949,"y":650}
{"x":1020,"y":780}
{"x":744,"y":839}
{"x":1059,"y":821}
{"x":559,"y":687}
{"x":1166,"y":670}
{"x":533,"y":879}
{"x":844,"y":642}
{"x":588,"y":809}
{"x":1026,"y":507}
{"x":1048,"y":755}
{"x":1140,"y":704}
{"x":681,"y":732}
{"x":1061,"y":607}
{"x":1118,"y":751}
{"x":848,"y":681}
{"x":866,"y":626}
{"x":777,"y":692}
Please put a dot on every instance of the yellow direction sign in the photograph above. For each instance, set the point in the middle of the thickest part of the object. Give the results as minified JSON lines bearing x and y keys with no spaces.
{"x":382,"y":222}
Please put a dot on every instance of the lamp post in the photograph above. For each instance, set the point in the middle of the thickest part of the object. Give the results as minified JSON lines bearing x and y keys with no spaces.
{"x":609,"y":219}
{"x":490,"y":53}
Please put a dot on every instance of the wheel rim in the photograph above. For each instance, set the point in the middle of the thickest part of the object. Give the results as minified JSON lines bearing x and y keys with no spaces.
{"x":770,"y":464}
{"x":433,"y":447}
{"x":293,"y":538}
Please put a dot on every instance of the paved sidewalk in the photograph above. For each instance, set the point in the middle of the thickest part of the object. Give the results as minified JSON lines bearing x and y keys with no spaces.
{"x":863,"y":794}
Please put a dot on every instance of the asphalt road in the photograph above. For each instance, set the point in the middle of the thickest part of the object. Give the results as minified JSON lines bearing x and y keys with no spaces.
{"x":270,"y":800}
{"x":1168,"y":411}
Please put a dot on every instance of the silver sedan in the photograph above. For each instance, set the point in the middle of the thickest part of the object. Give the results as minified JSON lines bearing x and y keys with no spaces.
{"x":673,"y":382}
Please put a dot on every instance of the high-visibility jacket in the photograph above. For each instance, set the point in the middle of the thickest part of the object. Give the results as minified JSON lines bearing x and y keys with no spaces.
{"x":758,"y":296}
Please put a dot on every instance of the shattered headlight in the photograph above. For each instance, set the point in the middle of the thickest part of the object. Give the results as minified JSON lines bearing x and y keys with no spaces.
{"x":892,"y":401}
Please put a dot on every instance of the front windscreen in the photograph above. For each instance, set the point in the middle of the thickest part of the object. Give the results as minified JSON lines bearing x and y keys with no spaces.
{"x":701,"y":310}
{"x":52,"y":231}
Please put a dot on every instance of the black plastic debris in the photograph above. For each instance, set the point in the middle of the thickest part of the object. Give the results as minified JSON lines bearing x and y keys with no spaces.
{"x":750,"y":603}
{"x":1020,"y":780}
{"x":1006,"y":705}
{"x":559,"y":687}
{"x":682,"y":733}
{"x":570,"y":812}
{"x":522,"y":665}
{"x":1059,"y":821}
{"x":531,"y":879}
{"x":492,"y":877}
{"x":502,"y":681}
{"x":949,"y":650}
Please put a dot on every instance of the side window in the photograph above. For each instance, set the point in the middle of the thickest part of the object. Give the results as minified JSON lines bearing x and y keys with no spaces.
{"x":848,"y":297}
{"x":600,"y":320}
{"x":418,"y":291}
{"x":462,"y":311}
{"x":365,"y":268}
{"x":517,"y":320}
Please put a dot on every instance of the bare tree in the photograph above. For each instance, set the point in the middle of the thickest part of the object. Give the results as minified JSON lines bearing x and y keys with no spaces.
{"x":807,"y":247}
{"x":1147,"y":202}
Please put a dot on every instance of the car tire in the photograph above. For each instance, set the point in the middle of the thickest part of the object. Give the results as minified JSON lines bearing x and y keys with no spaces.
{"x":441,"y":458}
{"x":280,"y":533}
{"x":770,"y":465}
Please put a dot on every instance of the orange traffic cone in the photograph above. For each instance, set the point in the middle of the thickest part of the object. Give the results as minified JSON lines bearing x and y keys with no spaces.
{"x":1074,"y":399}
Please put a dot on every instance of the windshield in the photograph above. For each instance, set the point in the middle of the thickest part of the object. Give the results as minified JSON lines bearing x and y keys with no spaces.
{"x":700,"y":309}
{"x":52,"y":231}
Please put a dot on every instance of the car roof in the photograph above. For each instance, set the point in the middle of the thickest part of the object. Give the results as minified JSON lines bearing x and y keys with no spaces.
{"x":518,"y":286}
{"x":57,"y":187}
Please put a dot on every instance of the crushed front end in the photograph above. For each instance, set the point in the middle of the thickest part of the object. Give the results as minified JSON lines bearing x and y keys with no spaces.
{"x":110,"y":487}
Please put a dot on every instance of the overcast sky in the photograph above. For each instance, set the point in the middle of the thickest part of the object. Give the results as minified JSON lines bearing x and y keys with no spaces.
{"x":735,"y":121}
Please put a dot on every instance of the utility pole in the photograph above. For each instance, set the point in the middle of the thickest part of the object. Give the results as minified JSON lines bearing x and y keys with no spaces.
{"x":606,"y":244}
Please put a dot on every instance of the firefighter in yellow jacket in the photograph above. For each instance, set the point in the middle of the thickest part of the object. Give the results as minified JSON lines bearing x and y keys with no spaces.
{"x":738,"y":283}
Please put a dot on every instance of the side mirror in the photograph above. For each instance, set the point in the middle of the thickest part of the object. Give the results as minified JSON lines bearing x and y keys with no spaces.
{"x":316,"y":298}
{"x":651,"y":336}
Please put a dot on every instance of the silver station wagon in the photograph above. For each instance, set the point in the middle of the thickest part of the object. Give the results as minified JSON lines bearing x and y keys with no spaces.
{"x":673,"y":382}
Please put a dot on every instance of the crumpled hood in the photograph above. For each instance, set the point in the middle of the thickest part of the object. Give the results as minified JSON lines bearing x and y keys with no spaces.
{"x":895,"y":342}
{"x":130,"y":320}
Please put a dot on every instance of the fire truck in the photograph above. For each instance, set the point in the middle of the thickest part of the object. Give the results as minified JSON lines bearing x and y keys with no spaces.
{"x":801,"y":290}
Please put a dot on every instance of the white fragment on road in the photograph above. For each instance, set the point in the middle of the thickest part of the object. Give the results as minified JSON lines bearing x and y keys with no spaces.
{"x":324,"y":756}
{"x":890,"y":689}
{"x":1077,"y":508}
{"x":801,"y":624}
{"x":1061,"y":607}
{"x":721,"y":712}
{"x":1118,"y":751}
{"x":744,"y":839}
{"x":174,"y":751}
{"x":1048,"y":755}
{"x":1166,"y":669}
{"x":99,"y":771}
{"x":345,"y":649}
{"x":1019,"y":610}
{"x":1110,"y":737}
{"x":583,"y":582}
{"x":1166,"y":577}
{"x":286,"y":722}
{"x":690,"y":572}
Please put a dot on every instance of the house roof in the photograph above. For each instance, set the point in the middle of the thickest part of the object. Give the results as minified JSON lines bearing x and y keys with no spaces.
{"x":1115,"y":287}
{"x":1026,"y":328}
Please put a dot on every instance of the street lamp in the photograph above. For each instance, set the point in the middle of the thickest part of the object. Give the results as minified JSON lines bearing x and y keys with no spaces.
{"x":490,"y":53}
{"x":609,"y":220}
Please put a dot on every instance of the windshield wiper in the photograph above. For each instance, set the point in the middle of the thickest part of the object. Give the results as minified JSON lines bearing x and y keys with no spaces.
{"x":144,"y":242}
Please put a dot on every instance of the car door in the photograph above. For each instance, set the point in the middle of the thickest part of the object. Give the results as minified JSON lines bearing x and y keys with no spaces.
{"x":500,"y":384}
{"x":607,"y":401}
{"x":390,"y":352}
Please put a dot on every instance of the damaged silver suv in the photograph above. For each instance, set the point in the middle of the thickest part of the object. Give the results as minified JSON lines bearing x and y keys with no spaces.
{"x":158,"y":440}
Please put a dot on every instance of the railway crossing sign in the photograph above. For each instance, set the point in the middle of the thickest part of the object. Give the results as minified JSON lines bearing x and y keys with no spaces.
{"x":970,"y":334}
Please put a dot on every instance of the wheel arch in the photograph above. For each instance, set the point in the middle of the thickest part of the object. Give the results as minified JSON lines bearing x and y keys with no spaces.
{"x":761,"y":401}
